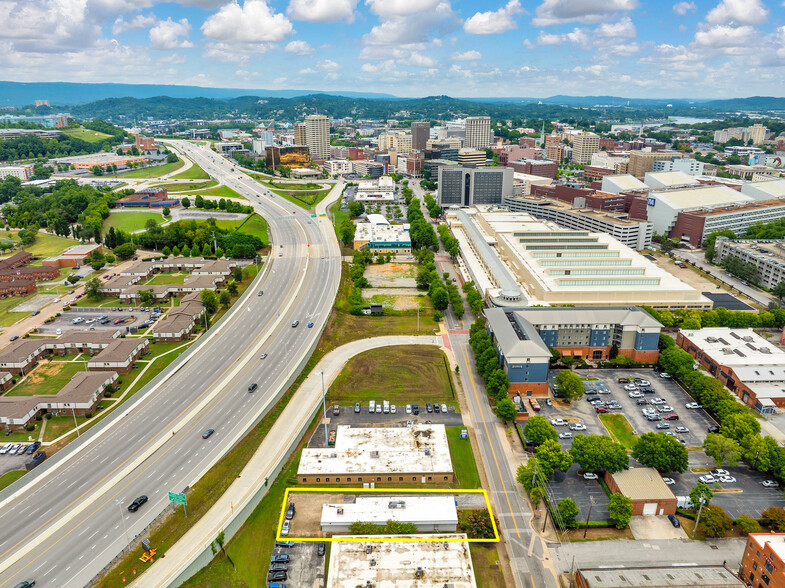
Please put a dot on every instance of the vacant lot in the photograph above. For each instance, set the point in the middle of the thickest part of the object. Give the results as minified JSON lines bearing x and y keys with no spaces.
{"x":253,"y":224}
{"x":390,"y":299}
{"x":192,"y":173}
{"x":220,"y":191}
{"x":463,"y":461}
{"x":87,"y":135}
{"x":152,"y":172}
{"x":401,"y":374}
{"x":392,"y":275}
{"x":48,"y":378}
{"x":131,"y":221}
{"x":47,"y":245}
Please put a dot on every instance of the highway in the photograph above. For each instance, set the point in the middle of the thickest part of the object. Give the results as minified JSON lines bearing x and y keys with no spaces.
{"x":64,"y":527}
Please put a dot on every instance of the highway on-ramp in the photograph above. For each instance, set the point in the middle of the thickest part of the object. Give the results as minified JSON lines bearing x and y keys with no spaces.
{"x":63,"y":527}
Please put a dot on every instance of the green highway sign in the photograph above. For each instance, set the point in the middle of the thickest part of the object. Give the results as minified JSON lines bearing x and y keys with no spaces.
{"x":178,"y":498}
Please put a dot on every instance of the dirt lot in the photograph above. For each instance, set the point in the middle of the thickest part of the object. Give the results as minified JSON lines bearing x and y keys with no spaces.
{"x":392,"y":275}
{"x":308,"y":512}
{"x":394,"y":298}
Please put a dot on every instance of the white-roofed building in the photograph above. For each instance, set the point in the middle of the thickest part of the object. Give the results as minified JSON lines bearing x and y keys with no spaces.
{"x":383,"y":238}
{"x":765,"y":189}
{"x":622,"y":183}
{"x":377,"y":219}
{"x":431,"y":514}
{"x":379,"y":190}
{"x":668,"y":179}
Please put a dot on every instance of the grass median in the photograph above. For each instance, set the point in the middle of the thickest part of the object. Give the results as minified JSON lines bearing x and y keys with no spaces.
{"x":619,"y":429}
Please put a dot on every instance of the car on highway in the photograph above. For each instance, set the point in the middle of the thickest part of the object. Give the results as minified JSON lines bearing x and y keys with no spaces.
{"x":295,"y":323}
{"x":26,"y":584}
{"x":36,"y":313}
{"x":253,"y":387}
{"x":310,"y":325}
{"x":138,"y":502}
{"x":770,"y":484}
{"x":261,"y":292}
{"x":669,"y":481}
{"x":207,"y":433}
{"x":285,"y":528}
{"x":356,"y":408}
{"x":565,"y":435}
{"x":590,"y":476}
{"x":321,"y":548}
{"x":674,"y":521}
{"x":263,"y":356}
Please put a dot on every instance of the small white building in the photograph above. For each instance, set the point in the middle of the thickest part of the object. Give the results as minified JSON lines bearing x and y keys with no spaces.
{"x":622,"y":183}
{"x":338,"y":166}
{"x":380,"y":190}
{"x":431,"y":514}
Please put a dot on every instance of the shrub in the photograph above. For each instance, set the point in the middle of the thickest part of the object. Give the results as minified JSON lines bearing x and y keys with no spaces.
{"x":774,"y":518}
{"x":714,"y":521}
{"x":747,"y":524}
{"x":30,"y":427}
{"x":48,"y":416}
{"x":88,"y":415}
{"x":478,"y":525}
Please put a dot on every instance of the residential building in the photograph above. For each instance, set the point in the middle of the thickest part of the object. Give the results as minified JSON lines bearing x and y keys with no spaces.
{"x":467,"y":186}
{"x":35,"y":273}
{"x":725,"y":135}
{"x":768,"y":256}
{"x":317,"y":136}
{"x":411,"y":164}
{"x":583,"y":146}
{"x":429,"y":563}
{"x":119,"y":356}
{"x":474,"y":157}
{"x":643,"y":161}
{"x":415,"y":454}
{"x":615,"y":160}
{"x":478,"y":132}
{"x":430,"y":514}
{"x":649,"y":493}
{"x":757,"y":133}
{"x":148,"y":198}
{"x":556,"y":152}
{"x":180,"y":321}
{"x":23,"y":172}
{"x":633,"y":233}
{"x":338,"y":167}
{"x":763,"y":562}
{"x":558,"y":266}
{"x":18,"y":259}
{"x":383,"y":238}
{"x":421,"y":131}
{"x":16,"y":287}
{"x":750,"y":366}
{"x":397,"y":141}
{"x":685,"y":165}
{"x":667,"y":576}
{"x":19,"y":357}
{"x":300,"y":134}
{"x":535,"y":167}
{"x":6,"y":380}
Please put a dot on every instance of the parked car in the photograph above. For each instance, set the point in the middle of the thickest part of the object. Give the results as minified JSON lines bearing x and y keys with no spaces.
{"x":636,"y":395}
{"x":444,"y":408}
{"x":290,"y":511}
{"x":4,"y":449}
{"x":428,"y":407}
{"x":669,"y":481}
{"x":577,"y":427}
{"x":642,"y":401}
{"x":665,"y":375}
{"x":693,"y":405}
{"x":134,"y":506}
{"x":657,"y":401}
{"x":663,"y":425}
{"x":284,"y":543}
{"x":623,"y":380}
{"x":630,"y":387}
{"x":393,"y":409}
{"x":770,"y":484}
{"x":378,"y":408}
{"x":276,"y":576}
{"x":590,"y":476}
{"x":672,"y":417}
{"x":641,"y":382}
{"x":32,"y":448}
{"x":674,"y":521}
{"x":558,"y":422}
{"x":280,"y":558}
{"x":321,"y":548}
{"x":601,"y":410}
{"x":356,"y":408}
{"x":727,"y":480}
{"x":565,"y":435}
{"x":408,"y":409}
{"x":285,"y":529}
{"x":707,"y":479}
{"x":592,"y":399}
{"x":682,"y":430}
{"x":719,"y":472}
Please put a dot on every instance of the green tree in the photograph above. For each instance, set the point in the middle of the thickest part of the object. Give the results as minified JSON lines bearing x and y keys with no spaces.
{"x":186,"y":202}
{"x":552,"y":457}
{"x":346,"y":231}
{"x":167,"y":212}
{"x":538,"y":430}
{"x":209,"y":300}
{"x":701,"y":494}
{"x":146,"y":297}
{"x":755,"y":452}
{"x":660,"y":451}
{"x":505,"y":410}
{"x":779,"y":290}
{"x":567,"y":512}
{"x":497,"y":383}
{"x":440,"y":299}
{"x":747,"y":524}
{"x":774,"y":518}
{"x":125,"y":251}
{"x":92,"y":288}
{"x":225,"y":298}
{"x":723,"y":450}
{"x":597,"y":453}
{"x":714,"y":521}
{"x":569,"y":386}
{"x":620,"y":510}
{"x":219,"y":253}
{"x":739,"y":425}
{"x":232,"y":288}
{"x":166,"y":251}
{"x":171,"y":158}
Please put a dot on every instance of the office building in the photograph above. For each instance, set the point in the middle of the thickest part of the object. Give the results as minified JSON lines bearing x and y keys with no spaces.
{"x":365,"y":168}
{"x":622,"y":183}
{"x":523,"y":183}
{"x":429,"y":514}
{"x":616,"y":161}
{"x":478,"y":132}
{"x":471,"y":157}
{"x":382,"y":238}
{"x":100,"y":159}
{"x":747,"y":364}
{"x":584,"y":146}
{"x":763,"y":561}
{"x":657,"y":577}
{"x":417,"y":454}
{"x":397,"y":141}
{"x":767,"y":256}
{"x":23,"y":172}
{"x":291,"y":156}
{"x":553,"y":265}
{"x":300,"y":134}
{"x":757,"y":133}
{"x":368,"y":562}
{"x":768,"y":189}
{"x":378,"y":190}
{"x":685,"y":165}
{"x":535,"y":167}
{"x":338,"y":167}
{"x":317,"y":137}
{"x":421,"y":132}
{"x":556,"y":152}
{"x":643,"y":161}
{"x":446,"y":143}
{"x":467,"y":186}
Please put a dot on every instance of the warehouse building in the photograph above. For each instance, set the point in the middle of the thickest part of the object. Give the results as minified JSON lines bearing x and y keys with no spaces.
{"x":747,"y":364}
{"x":645,"y":487}
{"x":416,"y":454}
{"x":669,"y":179}
{"x":74,"y":256}
{"x":411,"y":564}
{"x":765,"y":189}
{"x":622,"y":183}
{"x":431,"y":514}
{"x":658,"y":577}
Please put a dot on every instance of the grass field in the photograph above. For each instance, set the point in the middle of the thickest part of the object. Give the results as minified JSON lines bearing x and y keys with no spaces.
{"x":338,"y":217}
{"x":252,"y":225}
{"x":152,"y":172}
{"x":9,"y":478}
{"x":192,"y":173}
{"x":303,"y":198}
{"x":131,"y":221}
{"x":486,"y":572}
{"x":87,"y":135}
{"x":47,"y":245}
{"x":221,"y":192}
{"x":401,"y":374}
{"x":293,"y":186}
{"x":163,"y":279}
{"x":463,"y":459}
{"x":620,"y":429}
{"x":6,"y":304}
{"x":183,"y":187}
{"x":47,"y":378}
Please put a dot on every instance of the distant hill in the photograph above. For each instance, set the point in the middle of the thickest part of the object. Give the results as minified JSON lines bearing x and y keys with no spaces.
{"x":67,"y":93}
{"x":758,"y":103}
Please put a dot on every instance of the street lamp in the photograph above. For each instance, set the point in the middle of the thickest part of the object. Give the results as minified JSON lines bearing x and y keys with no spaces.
{"x":324,"y":408}
{"x":122,"y":517}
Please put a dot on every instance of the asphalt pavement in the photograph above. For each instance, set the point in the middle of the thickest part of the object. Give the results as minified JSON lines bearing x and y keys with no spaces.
{"x":64,"y":527}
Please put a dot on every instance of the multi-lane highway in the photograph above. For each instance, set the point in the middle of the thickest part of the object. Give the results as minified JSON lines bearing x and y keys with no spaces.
{"x":63,"y":527}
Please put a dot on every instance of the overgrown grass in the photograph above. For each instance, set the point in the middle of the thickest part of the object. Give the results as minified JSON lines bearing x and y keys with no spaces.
{"x":338,"y":217}
{"x":463,"y":462}
{"x":152,"y":172}
{"x":131,"y":221}
{"x":47,"y":245}
{"x":192,"y":173}
{"x":163,"y":279}
{"x":306,"y":199}
{"x":253,"y":224}
{"x":221,"y":192}
{"x":47,"y":378}
{"x":8,"y":318}
{"x":620,"y":429}
{"x":178,"y":188}
{"x":87,"y":135}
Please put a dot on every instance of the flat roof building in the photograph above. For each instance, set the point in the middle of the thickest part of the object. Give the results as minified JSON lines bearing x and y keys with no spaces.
{"x":616,"y":184}
{"x":649,"y":493}
{"x":668,"y":179}
{"x":383,"y":238}
{"x":431,"y":514}
{"x":409,"y":564}
{"x":764,"y":190}
{"x":659,"y":577}
{"x":468,"y":186}
{"x":763,"y":562}
{"x":768,"y":256}
{"x":419,"y":453}
{"x":478,"y":132}
{"x":99,"y":159}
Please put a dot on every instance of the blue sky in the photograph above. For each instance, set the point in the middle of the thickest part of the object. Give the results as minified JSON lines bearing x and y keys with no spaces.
{"x":538,"y":48}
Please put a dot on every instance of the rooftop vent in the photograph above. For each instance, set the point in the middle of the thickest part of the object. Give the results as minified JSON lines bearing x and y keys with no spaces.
{"x":373,"y":562}
{"x":764,"y":350}
{"x":374,"y":454}
{"x":333,"y":455}
{"x":427,"y":451}
{"x":748,"y":339}
{"x":711,"y":339}
{"x":419,"y":573}
{"x":396,"y":504}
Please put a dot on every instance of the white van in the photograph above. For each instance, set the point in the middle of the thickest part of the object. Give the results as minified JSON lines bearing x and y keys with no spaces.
{"x":372,"y":406}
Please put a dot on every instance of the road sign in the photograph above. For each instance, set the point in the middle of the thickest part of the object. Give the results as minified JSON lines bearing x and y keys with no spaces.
{"x":178,"y":498}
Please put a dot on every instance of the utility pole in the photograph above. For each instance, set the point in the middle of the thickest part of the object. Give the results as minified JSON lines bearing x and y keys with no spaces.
{"x":73,"y":412}
{"x":586,"y":529}
{"x":697,"y":519}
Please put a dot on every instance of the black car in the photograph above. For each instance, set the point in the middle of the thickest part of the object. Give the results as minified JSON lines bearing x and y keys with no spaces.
{"x":280,"y":558}
{"x":415,"y":409}
{"x":714,"y":429}
{"x":36,"y":313}
{"x":134,"y":506}
{"x":592,"y":398}
{"x":428,"y":407}
{"x":674,"y":521}
{"x":290,"y":511}
{"x":26,"y":584}
{"x":207,"y":433}
{"x":276,"y":576}
{"x":33,"y":448}
{"x":14,"y":337}
{"x":436,"y":408}
{"x":321,"y":548}
{"x":253,"y":387}
{"x":279,"y":567}
{"x":647,"y":390}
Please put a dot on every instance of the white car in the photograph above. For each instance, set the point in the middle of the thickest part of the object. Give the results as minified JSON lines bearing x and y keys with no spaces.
{"x":669,"y":481}
{"x":630,"y":387}
{"x":707,"y":479}
{"x":444,"y":408}
{"x":665,"y":375}
{"x":14,"y":449}
{"x":682,"y":430}
{"x":642,"y":383}
{"x":693,"y":405}
{"x":590,"y":476}
{"x":727,"y":479}
{"x":635,"y":394}
{"x":719,"y":472}
{"x":657,"y":401}
{"x":770,"y":484}
{"x":393,"y":409}
{"x":408,"y":409}
{"x":558,"y":422}
{"x":665,"y":408}
{"x":565,"y":435}
{"x":4,"y":449}
{"x":577,"y":427}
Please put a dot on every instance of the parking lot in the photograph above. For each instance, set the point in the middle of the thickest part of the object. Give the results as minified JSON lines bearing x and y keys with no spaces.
{"x":131,"y":319}
{"x":347,"y":416}
{"x":16,"y":461}
{"x":306,"y":567}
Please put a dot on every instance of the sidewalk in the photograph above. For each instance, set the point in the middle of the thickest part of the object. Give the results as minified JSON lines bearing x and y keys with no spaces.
{"x":295,"y":417}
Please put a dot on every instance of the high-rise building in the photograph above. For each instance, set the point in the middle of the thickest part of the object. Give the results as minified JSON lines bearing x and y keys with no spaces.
{"x":555,"y":152}
{"x":757,"y":133}
{"x":583,"y":146}
{"x":467,"y":186}
{"x":471,"y":157}
{"x":478,"y":132}
{"x":421,"y":132}
{"x":643,"y":161}
{"x":299,"y":134}
{"x":317,"y":136}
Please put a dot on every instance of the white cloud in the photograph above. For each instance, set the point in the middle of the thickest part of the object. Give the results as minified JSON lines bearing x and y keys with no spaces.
{"x":751,"y":12}
{"x":494,"y":22}
{"x":307,"y":71}
{"x":683,"y":8}
{"x":416,"y":28}
{"x":169,"y":34}
{"x":552,"y":12}
{"x":140,"y":21}
{"x":299,"y":48}
{"x":623,"y":28}
{"x":321,"y":10}
{"x":577,"y":36}
{"x":393,"y":8}
{"x":624,"y":49}
{"x":251,"y":22}
{"x":724,"y":37}
{"x":48,"y":26}
{"x":528,"y":44}
{"x":328,"y":65}
{"x":206,"y":4}
{"x":467,"y":56}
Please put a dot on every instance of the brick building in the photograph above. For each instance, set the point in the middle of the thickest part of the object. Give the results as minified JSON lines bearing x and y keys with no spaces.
{"x":16,"y":287}
{"x":149,"y":198}
{"x":763,"y":563}
{"x":649,"y":493}
{"x":145,"y":143}
{"x":534,"y":167}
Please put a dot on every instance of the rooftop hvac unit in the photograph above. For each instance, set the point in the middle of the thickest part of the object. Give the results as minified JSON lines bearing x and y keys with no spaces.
{"x":747,"y":338}
{"x":427,"y":451}
{"x":764,"y":350}
{"x":373,"y":562}
{"x":711,"y":339}
{"x":334,"y":455}
{"x":368,"y":548}
{"x":396,"y":504}
{"x":419,"y":573}
{"x":374,"y":454}
{"x":340,"y":510}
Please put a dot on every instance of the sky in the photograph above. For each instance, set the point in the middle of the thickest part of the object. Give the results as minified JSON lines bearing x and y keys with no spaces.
{"x":526,"y":48}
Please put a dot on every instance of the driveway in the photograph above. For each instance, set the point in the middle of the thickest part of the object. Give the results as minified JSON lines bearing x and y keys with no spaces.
{"x":654,"y":528}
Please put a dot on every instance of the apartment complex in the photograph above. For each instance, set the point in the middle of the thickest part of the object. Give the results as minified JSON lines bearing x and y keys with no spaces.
{"x":478,"y":132}
{"x":584,"y":146}
{"x":767,"y":256}
{"x":317,"y":136}
{"x":467,"y":186}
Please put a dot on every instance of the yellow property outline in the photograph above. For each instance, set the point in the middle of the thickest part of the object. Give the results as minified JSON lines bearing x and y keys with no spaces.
{"x":391,"y":492}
